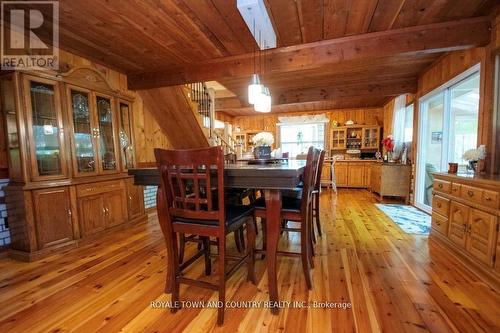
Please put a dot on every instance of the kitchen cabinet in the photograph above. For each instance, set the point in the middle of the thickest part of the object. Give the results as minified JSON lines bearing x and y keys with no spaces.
{"x":135,"y":200}
{"x":340,"y":170}
{"x":355,"y":174}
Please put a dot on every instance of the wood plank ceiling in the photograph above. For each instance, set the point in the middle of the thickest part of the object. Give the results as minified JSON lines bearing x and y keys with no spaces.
{"x":164,"y":35}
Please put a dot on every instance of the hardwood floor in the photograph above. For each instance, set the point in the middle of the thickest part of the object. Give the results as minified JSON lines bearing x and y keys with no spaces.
{"x":395,"y":282}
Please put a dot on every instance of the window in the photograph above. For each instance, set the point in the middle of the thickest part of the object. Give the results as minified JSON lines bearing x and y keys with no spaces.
{"x":448,"y":126}
{"x":408,"y":132}
{"x":297,"y":138}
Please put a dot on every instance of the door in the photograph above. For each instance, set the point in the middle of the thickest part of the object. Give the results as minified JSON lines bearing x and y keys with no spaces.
{"x":126,"y":135}
{"x":481,"y":238}
{"x":84,"y":132}
{"x":91,"y":214}
{"x":135,"y":198}
{"x":106,"y":120}
{"x":448,"y":126}
{"x":356,"y":175}
{"x":45,"y":129}
{"x":115,"y":208}
{"x":340,"y":170}
{"x":459,"y":218}
{"x":54,"y":222}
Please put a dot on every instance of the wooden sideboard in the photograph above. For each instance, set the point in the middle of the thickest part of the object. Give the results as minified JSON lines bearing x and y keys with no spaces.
{"x":465,"y":217}
{"x":69,"y":144}
{"x":391,"y":179}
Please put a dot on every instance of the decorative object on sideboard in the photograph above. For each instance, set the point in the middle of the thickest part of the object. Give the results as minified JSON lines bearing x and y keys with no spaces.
{"x":262,"y":142}
{"x":388,"y":144}
{"x":349,"y":122}
{"x":452,"y":167}
{"x":472,"y":156}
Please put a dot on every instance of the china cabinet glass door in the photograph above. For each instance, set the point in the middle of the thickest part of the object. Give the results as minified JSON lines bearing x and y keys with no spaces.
{"x":339,"y":138}
{"x":84,"y":132}
{"x":44,"y":118}
{"x":125,"y":135}
{"x":370,"y":137}
{"x":105,"y":120}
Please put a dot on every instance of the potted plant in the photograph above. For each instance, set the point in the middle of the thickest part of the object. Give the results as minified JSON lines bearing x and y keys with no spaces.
{"x":262,"y":142}
{"x":473,"y":156}
{"x":388,"y":144}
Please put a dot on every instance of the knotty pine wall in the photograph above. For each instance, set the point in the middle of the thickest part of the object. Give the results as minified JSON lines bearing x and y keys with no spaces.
{"x":267,"y":122}
{"x":448,"y":67}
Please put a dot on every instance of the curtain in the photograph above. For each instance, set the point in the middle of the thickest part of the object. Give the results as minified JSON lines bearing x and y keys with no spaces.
{"x":398,"y":123}
{"x":319,"y":118}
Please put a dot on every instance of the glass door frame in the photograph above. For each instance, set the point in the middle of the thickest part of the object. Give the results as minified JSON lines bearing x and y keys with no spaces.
{"x":129,"y":103}
{"x":35,"y":176}
{"x":93,"y":126}
{"x":115,"y":126}
{"x":422,"y":120}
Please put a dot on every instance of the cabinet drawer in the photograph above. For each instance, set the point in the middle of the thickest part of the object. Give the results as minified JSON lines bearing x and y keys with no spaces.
{"x":471,"y":193}
{"x":441,"y":186}
{"x":490,"y":199}
{"x":441,"y":205}
{"x":455,"y":189}
{"x":440,"y":223}
{"x":97,"y":188}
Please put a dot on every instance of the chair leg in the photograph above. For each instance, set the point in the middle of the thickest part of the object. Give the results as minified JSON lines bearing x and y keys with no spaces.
{"x":208,"y":262}
{"x":242,"y":238}
{"x":304,"y":253}
{"x":264,"y":236}
{"x":316,"y":214}
{"x":222,"y":279}
{"x":250,"y":251}
{"x":237,"y":240}
{"x":182,"y":247}
{"x":175,"y":275}
{"x":255,"y":225}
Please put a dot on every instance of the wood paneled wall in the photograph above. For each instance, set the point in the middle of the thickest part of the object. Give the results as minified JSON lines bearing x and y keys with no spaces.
{"x":448,"y":67}
{"x":267,"y":122}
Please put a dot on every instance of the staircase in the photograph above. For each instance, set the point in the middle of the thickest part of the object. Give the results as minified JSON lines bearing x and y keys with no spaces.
{"x":204,"y":102}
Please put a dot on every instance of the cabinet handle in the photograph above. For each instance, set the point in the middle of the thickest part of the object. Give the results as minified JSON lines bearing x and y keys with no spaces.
{"x":69,"y":213}
{"x":470,"y":193}
{"x":130,"y":197}
{"x":439,"y":205}
{"x":103,"y":210}
{"x":487,"y":199}
{"x":440,"y":185}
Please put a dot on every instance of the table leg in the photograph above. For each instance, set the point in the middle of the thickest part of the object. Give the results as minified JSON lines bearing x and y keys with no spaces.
{"x":162,"y":219}
{"x":273,"y":222}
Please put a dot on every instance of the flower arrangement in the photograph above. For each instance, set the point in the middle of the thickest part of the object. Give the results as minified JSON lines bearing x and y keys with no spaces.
{"x":388,"y":143}
{"x":263,"y":139}
{"x":475,"y":154}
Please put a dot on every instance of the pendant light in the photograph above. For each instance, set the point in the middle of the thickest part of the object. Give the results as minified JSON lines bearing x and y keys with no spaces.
{"x":263,"y":104}
{"x":255,"y":87}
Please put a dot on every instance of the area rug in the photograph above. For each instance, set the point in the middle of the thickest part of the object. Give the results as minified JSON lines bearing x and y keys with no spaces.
{"x":408,"y":218}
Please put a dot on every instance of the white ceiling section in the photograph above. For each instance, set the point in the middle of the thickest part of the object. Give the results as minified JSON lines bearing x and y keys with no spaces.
{"x":257,"y":19}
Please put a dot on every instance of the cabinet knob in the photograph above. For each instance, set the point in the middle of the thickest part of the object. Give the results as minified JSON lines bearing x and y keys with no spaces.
{"x":487,"y":199}
{"x":70,"y":213}
{"x":439,"y":205}
{"x":440,"y":185}
{"x":470,"y":193}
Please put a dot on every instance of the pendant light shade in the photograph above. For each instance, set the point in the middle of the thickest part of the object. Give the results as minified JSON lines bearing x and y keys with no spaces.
{"x":263,"y":103}
{"x":254,"y":89}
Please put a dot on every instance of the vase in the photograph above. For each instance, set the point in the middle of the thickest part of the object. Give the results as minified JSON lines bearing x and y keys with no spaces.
{"x":262,"y":152}
{"x":472,"y":166}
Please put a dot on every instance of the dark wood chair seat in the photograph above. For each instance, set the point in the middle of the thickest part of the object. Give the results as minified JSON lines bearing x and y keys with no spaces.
{"x":288,"y":204}
{"x":235,"y":216}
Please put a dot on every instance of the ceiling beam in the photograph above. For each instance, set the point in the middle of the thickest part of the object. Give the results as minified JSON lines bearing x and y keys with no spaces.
{"x":389,"y":88}
{"x":431,"y":38}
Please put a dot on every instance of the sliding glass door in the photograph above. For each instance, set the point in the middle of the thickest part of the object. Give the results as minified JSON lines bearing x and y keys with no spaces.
{"x":448,"y":126}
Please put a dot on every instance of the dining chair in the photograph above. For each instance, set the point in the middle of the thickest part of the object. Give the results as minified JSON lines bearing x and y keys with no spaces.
{"x":316,"y":193}
{"x":192,"y":185}
{"x":297,"y":210}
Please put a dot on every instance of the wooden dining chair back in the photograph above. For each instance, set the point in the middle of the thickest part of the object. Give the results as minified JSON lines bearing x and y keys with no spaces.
{"x":316,"y":192}
{"x":192,"y":186}
{"x":299,"y":210}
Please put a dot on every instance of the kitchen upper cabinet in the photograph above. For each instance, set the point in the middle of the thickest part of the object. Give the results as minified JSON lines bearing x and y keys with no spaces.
{"x":371,"y":137}
{"x":53,"y":215}
{"x":45,"y":129}
{"x":481,"y":232}
{"x":338,"y":137}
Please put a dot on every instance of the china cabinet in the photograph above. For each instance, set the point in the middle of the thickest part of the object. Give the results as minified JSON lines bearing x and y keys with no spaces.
{"x":338,"y":137}
{"x":354,"y":137}
{"x":370,"y":137}
{"x":70,"y":143}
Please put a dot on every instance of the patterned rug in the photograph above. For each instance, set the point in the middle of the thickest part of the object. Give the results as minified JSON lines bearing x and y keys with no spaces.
{"x":408,"y":218}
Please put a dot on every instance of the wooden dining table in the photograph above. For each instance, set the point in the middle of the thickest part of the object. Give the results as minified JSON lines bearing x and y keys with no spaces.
{"x":272,"y":179}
